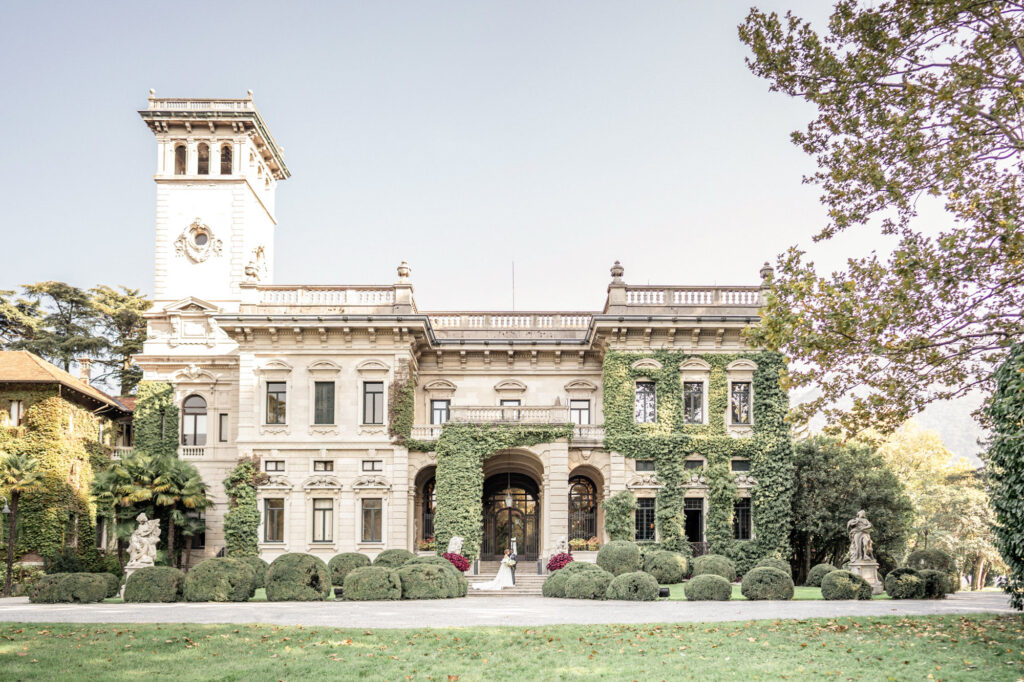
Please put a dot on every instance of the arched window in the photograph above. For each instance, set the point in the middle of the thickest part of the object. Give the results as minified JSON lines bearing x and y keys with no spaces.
{"x":180,"y":160}
{"x":582,"y":508}
{"x":203,"y":159}
{"x":429,"y":502}
{"x":225,"y":160}
{"x":193,"y":422}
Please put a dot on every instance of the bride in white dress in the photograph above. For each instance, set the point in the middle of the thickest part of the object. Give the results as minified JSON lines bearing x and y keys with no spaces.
{"x":503,"y":579}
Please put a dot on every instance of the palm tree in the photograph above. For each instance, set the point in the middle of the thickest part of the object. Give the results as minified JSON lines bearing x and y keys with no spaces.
{"x":179,"y":487}
{"x":19,"y":474}
{"x":190,"y":528}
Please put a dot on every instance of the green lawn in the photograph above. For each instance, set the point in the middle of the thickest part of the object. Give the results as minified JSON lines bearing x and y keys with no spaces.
{"x":983,"y":647}
{"x":260,"y":595}
{"x":801,"y":593}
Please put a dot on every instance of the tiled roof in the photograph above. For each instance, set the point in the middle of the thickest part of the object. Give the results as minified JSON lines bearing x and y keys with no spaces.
{"x":21,"y":366}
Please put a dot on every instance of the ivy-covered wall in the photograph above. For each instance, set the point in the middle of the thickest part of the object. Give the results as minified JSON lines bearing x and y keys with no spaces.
{"x":242,"y":520}
{"x":668,"y":441}
{"x":156,"y":419}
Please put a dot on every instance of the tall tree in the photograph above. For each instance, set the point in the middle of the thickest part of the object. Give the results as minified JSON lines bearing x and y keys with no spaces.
{"x":121,"y":322}
{"x":19,"y":474}
{"x":67,"y":329}
{"x":919,"y":101}
{"x":180,"y":489}
{"x":18,"y":319}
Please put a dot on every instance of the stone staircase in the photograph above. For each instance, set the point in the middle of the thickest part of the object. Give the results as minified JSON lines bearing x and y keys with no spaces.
{"x":526,"y":586}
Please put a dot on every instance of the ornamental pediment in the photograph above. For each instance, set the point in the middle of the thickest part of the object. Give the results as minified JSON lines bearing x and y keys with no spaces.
{"x":510,"y":386}
{"x":694,"y":365}
{"x":741,"y":365}
{"x":321,"y":483}
{"x":440,"y":386}
{"x":191,"y":304}
{"x":646,"y":363}
{"x":371,"y":483}
{"x":580,"y":386}
{"x":324,"y":366}
{"x":745,"y":481}
{"x":275,"y":365}
{"x":372,"y":367}
{"x":279,"y":483}
{"x":644,"y":481}
{"x":194,"y":374}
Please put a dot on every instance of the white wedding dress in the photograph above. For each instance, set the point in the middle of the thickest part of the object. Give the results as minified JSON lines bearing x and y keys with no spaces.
{"x":503,"y":579}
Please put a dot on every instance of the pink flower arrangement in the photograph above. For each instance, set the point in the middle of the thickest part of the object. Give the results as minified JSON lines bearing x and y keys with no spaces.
{"x":558,"y":561}
{"x":458,"y":561}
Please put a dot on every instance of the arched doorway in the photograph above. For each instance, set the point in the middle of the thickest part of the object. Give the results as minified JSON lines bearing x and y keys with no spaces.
{"x":582,"y":508}
{"x":510,"y":511}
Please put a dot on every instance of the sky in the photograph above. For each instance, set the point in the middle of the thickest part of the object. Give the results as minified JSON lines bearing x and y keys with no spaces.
{"x":461,"y":137}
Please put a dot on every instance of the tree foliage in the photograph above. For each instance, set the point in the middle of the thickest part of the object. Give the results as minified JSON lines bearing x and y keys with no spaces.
{"x":120,"y":320}
{"x":918,"y":102}
{"x":66,"y":329}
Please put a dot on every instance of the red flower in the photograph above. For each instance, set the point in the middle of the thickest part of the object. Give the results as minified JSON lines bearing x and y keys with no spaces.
{"x":458,"y":561}
{"x":559,"y":561}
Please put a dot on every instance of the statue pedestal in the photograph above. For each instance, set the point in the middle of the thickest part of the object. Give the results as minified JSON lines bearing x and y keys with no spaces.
{"x":869,"y":571}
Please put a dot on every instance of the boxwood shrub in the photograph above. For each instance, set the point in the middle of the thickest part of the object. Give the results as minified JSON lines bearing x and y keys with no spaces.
{"x":220,"y":579}
{"x":708,"y":587}
{"x":666,"y":567}
{"x":588,"y":584}
{"x":931,"y":559}
{"x":113,"y":584}
{"x":432,"y":560}
{"x":845,"y":585}
{"x":637,"y":586}
{"x":817,"y":572}
{"x":774,"y":562}
{"x":372,"y":583}
{"x":298,"y":577}
{"x":580,"y":567}
{"x":61,"y":588}
{"x":554,"y":584}
{"x":428,"y":581}
{"x":767,"y":583}
{"x":155,"y":584}
{"x":259,"y":567}
{"x":341,"y":564}
{"x":904,"y":583}
{"x":936,"y":583}
{"x":619,"y":556}
{"x":393,"y":558}
{"x":714,"y":564}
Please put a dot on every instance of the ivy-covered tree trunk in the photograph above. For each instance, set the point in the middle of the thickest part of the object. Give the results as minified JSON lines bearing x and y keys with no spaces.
{"x":12,"y":525}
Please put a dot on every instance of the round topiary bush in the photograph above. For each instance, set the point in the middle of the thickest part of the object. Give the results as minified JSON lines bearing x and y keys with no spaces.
{"x":298,"y":577}
{"x":432,"y":560}
{"x":619,"y":556}
{"x":936,"y":583}
{"x":818,"y":572}
{"x":904,"y":583}
{"x":341,"y":564}
{"x":845,"y":585}
{"x":774,"y":562}
{"x":259,"y":567}
{"x":766,"y":583}
{"x":714,"y":564}
{"x":372,"y":583}
{"x":428,"y":581}
{"x":220,"y":579}
{"x":579,"y":567}
{"x":668,"y":568}
{"x":638,"y":586}
{"x":113,"y":584}
{"x":155,"y":584}
{"x":393,"y":558}
{"x":708,"y":587}
{"x":554,"y":584}
{"x":588,"y":584}
{"x":69,"y":588}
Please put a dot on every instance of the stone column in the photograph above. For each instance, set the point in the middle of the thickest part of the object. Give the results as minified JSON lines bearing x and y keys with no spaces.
{"x":556,"y":496}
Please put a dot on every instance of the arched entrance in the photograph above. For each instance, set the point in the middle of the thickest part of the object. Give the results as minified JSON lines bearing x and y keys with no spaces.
{"x":511,"y":510}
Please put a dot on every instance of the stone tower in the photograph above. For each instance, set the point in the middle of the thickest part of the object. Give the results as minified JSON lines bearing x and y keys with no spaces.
{"x":217,"y":169}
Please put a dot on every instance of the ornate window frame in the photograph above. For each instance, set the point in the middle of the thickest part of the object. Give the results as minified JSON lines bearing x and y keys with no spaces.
{"x":271,"y":371}
{"x":372,"y":371}
{"x":322,"y":485}
{"x":695,"y":370}
{"x":372,"y":486}
{"x":739,"y":371}
{"x":323,"y":371}
{"x":276,"y":486}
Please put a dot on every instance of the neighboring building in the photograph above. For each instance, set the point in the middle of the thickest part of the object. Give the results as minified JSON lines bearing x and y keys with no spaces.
{"x":300,"y":375}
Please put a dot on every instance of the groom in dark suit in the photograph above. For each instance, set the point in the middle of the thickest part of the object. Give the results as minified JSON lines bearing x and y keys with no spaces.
{"x":515,"y":563}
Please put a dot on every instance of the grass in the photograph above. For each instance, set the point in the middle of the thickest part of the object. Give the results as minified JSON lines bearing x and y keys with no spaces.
{"x":801,"y":593}
{"x":260,"y":595}
{"x":933,"y":647}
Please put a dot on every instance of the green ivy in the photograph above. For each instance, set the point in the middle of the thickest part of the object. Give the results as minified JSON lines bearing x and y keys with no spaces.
{"x":242,"y":520}
{"x":461,"y":451}
{"x":401,"y":409}
{"x":156,"y":419}
{"x":618,"y":515}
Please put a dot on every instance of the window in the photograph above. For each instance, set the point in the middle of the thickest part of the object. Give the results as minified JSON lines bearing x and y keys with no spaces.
{"x":372,"y":512}
{"x":225,"y":160}
{"x":510,"y":415}
{"x":323,"y":465}
{"x":645,"y":519}
{"x":193,"y":421}
{"x":740,"y":402}
{"x":741,"y":465}
{"x":180,"y":160}
{"x":645,"y":410}
{"x":222,"y":428}
{"x":693,"y":402}
{"x":645,"y":465}
{"x":17,"y":412}
{"x":323,"y":399}
{"x":691,"y":464}
{"x":429,"y":503}
{"x":274,"y":465}
{"x":693,"y":519}
{"x":203,"y":159}
{"x":323,"y":520}
{"x":440,"y":411}
{"x":373,"y":402}
{"x":373,"y":465}
{"x":125,"y":436}
{"x":273,"y":520}
{"x":277,"y":398}
{"x":579,"y":412}
{"x":741,"y":519}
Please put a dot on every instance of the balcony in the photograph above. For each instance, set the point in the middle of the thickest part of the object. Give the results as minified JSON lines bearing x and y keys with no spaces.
{"x":583,"y":435}
{"x":191,"y":451}
{"x":121,"y":451}
{"x":471,"y":325}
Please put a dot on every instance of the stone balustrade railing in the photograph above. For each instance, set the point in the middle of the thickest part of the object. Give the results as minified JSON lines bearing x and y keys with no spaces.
{"x":692,"y":296}
{"x":524,"y":414}
{"x":426,"y":431}
{"x":585,"y":433}
{"x":212,"y":104}
{"x":122,"y":451}
{"x":588,"y":433}
{"x":191,"y":451}
{"x":491,"y":321}
{"x":325,"y":295}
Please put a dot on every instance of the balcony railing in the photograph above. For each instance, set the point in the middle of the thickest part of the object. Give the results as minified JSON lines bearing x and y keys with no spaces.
{"x":122,"y":451}
{"x":498,"y":321}
{"x":173,"y":104}
{"x":426,"y":431}
{"x":693,"y":296}
{"x":191,"y":451}
{"x":585,"y":433}
{"x":524,"y":414}
{"x":588,"y":433}
{"x":325,"y":295}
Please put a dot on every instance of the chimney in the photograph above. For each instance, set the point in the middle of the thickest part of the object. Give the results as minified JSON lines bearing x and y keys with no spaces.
{"x":85,"y":370}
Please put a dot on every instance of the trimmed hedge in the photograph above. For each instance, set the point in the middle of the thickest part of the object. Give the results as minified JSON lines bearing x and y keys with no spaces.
{"x":817,"y":572}
{"x":554,"y":584}
{"x":113,"y":584}
{"x":708,"y":587}
{"x":668,"y":568}
{"x":372,"y":583}
{"x":259,"y":567}
{"x":588,"y":584}
{"x":580,"y":567}
{"x":431,"y":560}
{"x":393,"y":558}
{"x":298,"y":577}
{"x":936,"y":583}
{"x":637,"y":586}
{"x":69,"y":588}
{"x":904,"y":583}
{"x":220,"y":579}
{"x":159,"y":584}
{"x":845,"y":585}
{"x":341,"y":564}
{"x":773,"y":562}
{"x":931,"y":559}
{"x":428,"y":581}
{"x":715,"y":564}
{"x":767,"y":583}
{"x":619,"y":556}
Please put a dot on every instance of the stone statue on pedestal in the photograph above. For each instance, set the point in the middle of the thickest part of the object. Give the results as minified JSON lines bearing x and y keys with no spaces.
{"x":142,"y":546}
{"x":862,"y":557}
